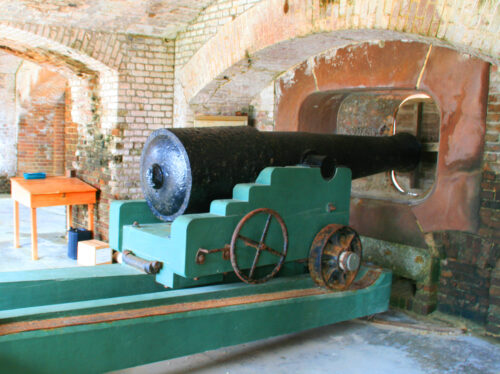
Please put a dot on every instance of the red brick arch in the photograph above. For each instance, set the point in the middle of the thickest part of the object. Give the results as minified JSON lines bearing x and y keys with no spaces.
{"x":84,"y":72}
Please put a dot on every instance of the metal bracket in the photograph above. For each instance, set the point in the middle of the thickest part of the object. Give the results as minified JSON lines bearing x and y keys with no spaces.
{"x":202,"y":253}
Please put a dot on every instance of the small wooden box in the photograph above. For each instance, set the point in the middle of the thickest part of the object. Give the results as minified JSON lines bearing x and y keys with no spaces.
{"x":93,"y":252}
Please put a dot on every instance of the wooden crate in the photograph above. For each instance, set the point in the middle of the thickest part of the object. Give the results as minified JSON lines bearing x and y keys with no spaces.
{"x":93,"y":252}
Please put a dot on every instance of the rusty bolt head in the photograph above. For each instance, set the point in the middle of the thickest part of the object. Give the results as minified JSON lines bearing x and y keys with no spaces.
{"x":330,"y":207}
{"x":226,"y":252}
{"x":200,"y":258}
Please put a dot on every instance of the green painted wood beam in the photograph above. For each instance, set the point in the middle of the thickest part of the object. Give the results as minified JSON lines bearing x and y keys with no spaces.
{"x":153,"y":299}
{"x":96,"y":348}
{"x":54,"y":286}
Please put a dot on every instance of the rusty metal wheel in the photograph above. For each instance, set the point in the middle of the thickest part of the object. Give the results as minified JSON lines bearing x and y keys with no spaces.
{"x":335,"y":257}
{"x":259,"y":246}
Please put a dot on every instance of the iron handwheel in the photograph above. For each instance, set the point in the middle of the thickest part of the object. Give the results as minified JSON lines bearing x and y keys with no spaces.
{"x":260,"y":246}
{"x":335,"y":257}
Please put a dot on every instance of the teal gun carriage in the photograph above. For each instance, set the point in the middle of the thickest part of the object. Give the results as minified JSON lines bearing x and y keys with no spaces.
{"x":180,"y":244}
{"x":276,"y":253}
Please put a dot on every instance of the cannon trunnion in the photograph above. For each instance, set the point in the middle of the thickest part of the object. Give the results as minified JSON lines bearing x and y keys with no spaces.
{"x":184,"y":170}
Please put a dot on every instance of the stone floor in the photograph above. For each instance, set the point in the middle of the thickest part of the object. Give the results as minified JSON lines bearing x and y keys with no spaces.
{"x":52,"y":243}
{"x":392,"y":343}
{"x":355,"y":347}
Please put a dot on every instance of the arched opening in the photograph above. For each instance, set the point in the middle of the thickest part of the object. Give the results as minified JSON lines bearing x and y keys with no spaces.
{"x":46,"y":136}
{"x":63,"y":110}
{"x":419,"y":115}
{"x":38,"y":134}
{"x":380,"y":113}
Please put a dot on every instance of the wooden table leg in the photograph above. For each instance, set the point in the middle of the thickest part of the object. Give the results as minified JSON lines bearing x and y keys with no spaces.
{"x":16,"y":224}
{"x":69,"y":216}
{"x":91,"y":219}
{"x":34,"y":236}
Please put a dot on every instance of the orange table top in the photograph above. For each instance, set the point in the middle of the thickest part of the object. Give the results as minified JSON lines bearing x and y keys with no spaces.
{"x":51,"y":185}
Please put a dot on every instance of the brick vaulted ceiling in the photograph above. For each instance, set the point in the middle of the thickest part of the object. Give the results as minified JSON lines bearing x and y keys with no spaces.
{"x":163,"y":18}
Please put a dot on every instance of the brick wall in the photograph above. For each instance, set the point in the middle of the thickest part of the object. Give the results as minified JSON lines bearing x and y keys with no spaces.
{"x":493,"y":319}
{"x":465,"y":274}
{"x":490,"y":187}
{"x":470,"y":277}
{"x":108,"y":157}
{"x":70,"y":133}
{"x":490,"y":196}
{"x":121,"y":88}
{"x":263,"y":109}
{"x":145,"y":104}
{"x":8,"y":131}
{"x":41,"y":115}
{"x":206,"y":25}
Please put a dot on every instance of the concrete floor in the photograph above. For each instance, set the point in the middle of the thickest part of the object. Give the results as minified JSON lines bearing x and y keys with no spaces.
{"x":355,"y":347}
{"x":52,"y":243}
{"x":411,"y":346}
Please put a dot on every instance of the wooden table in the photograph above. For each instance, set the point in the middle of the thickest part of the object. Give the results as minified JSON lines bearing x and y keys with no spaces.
{"x":51,"y":191}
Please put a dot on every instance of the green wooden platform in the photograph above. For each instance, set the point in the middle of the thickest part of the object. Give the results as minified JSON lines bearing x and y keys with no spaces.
{"x":105,"y":334}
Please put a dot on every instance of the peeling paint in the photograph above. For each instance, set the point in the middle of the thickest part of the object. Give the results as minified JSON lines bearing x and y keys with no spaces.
{"x":288,"y":79}
{"x":310,"y":64}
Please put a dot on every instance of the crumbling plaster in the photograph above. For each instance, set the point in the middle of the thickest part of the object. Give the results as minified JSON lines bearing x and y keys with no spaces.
{"x":8,"y":130}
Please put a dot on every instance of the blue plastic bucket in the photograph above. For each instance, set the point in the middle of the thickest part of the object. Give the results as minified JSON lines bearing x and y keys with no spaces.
{"x":76,"y":235}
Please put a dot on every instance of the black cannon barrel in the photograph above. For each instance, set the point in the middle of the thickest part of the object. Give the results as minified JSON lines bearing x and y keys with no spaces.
{"x":183,"y":170}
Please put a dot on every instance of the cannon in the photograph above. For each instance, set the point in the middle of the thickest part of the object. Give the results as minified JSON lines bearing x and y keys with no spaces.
{"x":246,"y":236}
{"x":234,"y":190}
{"x":184,"y":170}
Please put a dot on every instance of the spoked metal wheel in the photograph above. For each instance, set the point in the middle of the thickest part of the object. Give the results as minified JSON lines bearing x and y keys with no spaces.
{"x":259,"y":245}
{"x":335,"y":257}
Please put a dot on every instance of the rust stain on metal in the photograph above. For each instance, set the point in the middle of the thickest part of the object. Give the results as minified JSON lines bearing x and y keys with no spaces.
{"x":419,"y":260}
{"x":54,"y":323}
{"x":202,"y":253}
{"x":331,"y":207}
{"x":378,"y":219}
{"x":367,"y":280}
{"x":325,"y":259}
{"x":259,"y":246}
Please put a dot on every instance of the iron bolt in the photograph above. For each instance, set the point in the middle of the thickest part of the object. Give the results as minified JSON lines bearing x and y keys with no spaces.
{"x":349,"y":261}
{"x":200,"y":259}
